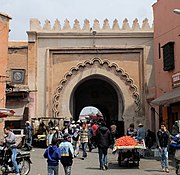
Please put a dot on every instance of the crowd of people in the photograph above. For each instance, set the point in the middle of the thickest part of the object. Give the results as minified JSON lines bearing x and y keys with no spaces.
{"x":64,"y":145}
{"x":97,"y":135}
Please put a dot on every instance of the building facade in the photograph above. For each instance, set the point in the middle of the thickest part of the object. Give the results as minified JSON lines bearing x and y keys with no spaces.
{"x":17,"y":91}
{"x":166,"y":59}
{"x":110,"y":68}
{"x":4,"y":33}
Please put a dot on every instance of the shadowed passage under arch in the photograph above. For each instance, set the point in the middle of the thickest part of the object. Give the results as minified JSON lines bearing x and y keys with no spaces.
{"x":100,"y":93}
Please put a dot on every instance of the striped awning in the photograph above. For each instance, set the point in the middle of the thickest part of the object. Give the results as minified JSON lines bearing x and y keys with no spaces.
{"x":4,"y":112}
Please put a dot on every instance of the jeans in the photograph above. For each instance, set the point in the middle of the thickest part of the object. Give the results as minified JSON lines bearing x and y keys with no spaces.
{"x":67,"y":170}
{"x":13,"y":158}
{"x":84,"y":146}
{"x":164,"y":157}
{"x":52,"y":169}
{"x":102,"y":156}
{"x":76,"y":147}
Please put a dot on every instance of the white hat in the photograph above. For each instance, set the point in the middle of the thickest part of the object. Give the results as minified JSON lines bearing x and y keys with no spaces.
{"x":28,"y":122}
{"x":73,"y":122}
{"x":79,"y":121}
{"x":56,"y":127}
{"x":140,"y":124}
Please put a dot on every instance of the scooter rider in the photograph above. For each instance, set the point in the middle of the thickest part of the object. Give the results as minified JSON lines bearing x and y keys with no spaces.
{"x":10,"y":140}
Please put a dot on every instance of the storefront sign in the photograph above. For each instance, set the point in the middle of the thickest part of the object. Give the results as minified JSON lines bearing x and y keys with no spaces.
{"x":176,"y":80}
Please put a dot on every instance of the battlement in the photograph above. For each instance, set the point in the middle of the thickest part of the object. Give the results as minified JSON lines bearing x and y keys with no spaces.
{"x":35,"y":25}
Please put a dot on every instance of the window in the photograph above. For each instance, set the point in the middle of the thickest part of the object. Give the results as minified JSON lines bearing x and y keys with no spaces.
{"x":168,"y":56}
{"x":159,"y":50}
{"x":17,"y":76}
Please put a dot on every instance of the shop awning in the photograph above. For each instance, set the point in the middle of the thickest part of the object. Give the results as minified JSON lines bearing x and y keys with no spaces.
{"x":19,"y":111}
{"x":4,"y":112}
{"x":168,"y":98}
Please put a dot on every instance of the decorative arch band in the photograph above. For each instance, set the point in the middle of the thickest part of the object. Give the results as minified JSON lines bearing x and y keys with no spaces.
{"x":119,"y":72}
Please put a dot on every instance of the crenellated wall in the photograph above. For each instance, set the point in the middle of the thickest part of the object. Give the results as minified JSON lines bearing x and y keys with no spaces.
{"x":35,"y":25}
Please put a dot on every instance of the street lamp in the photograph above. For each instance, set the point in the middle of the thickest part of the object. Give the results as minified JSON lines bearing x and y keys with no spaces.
{"x":177,"y":11}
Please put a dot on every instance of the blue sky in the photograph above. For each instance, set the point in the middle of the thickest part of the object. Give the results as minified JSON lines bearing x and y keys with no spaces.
{"x":22,"y":10}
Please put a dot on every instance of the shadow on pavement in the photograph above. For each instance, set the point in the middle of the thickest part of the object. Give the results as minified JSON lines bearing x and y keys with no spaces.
{"x":154,"y":170}
{"x":116,"y":166}
{"x":92,"y":168}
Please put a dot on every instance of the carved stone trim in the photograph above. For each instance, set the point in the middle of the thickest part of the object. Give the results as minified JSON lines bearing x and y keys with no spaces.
{"x":35,"y":25}
{"x":119,"y":72}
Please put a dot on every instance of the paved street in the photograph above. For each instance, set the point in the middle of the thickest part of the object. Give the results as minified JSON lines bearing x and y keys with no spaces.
{"x":90,"y":166}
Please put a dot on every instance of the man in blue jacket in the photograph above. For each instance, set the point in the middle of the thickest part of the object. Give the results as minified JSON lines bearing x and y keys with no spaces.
{"x":53,"y":155}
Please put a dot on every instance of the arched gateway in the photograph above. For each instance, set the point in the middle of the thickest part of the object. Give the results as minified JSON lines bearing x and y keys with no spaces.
{"x":111,"y":69}
{"x":98,"y":83}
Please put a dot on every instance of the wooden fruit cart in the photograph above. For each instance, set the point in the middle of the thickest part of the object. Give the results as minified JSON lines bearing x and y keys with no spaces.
{"x":128,"y":156}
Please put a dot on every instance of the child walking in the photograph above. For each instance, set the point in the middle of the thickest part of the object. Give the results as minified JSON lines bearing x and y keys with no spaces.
{"x":67,"y":153}
{"x":53,"y":155}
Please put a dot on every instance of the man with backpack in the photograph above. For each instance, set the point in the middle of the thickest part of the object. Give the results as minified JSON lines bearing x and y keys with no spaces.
{"x":53,"y":155}
{"x":67,"y":153}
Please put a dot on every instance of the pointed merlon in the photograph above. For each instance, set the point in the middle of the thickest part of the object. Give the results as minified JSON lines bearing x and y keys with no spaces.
{"x":96,"y":25}
{"x":57,"y":25}
{"x":115,"y":25}
{"x":35,"y":24}
{"x":106,"y":25}
{"x":125,"y":25}
{"x":66,"y":25}
{"x":86,"y":26}
{"x":76,"y":25}
{"x":145,"y":25}
{"x":135,"y":25}
{"x":47,"y":25}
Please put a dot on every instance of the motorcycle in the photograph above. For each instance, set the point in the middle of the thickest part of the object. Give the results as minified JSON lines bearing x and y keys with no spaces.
{"x":23,"y":161}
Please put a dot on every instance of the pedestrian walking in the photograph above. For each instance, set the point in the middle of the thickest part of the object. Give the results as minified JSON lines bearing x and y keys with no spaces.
{"x":57,"y":136}
{"x":104,"y":140}
{"x":76,"y":141}
{"x":28,"y":131}
{"x":95,"y":127}
{"x":67,"y":153}
{"x":84,"y":137}
{"x":163,"y":141}
{"x":91,"y":137}
{"x":49,"y":137}
{"x":53,"y":155}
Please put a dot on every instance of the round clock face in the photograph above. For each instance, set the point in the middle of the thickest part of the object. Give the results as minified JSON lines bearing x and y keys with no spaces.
{"x":17,"y":76}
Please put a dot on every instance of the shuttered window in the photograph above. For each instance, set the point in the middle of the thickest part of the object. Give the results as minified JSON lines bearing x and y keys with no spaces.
{"x":168,"y":56}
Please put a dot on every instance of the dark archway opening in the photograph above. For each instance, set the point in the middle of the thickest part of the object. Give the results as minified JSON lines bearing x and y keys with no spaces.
{"x":100,"y":93}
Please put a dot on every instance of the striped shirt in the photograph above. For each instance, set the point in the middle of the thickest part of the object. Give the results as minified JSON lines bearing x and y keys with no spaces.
{"x":84,"y":135}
